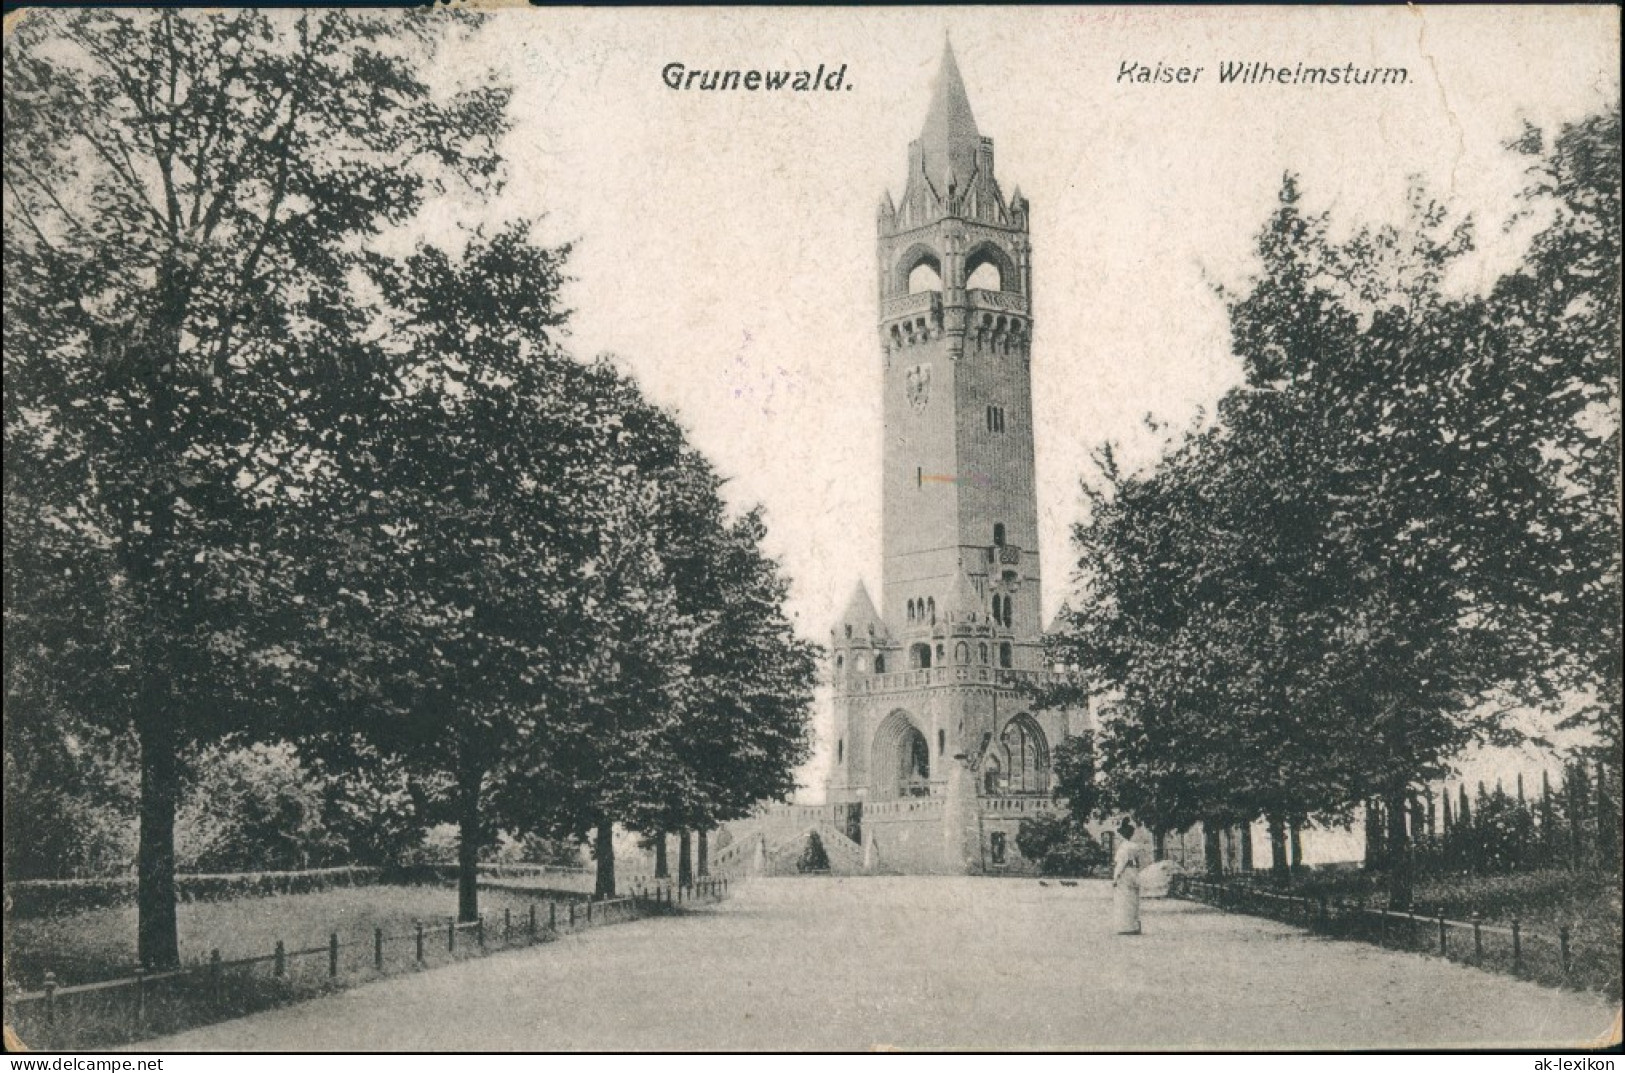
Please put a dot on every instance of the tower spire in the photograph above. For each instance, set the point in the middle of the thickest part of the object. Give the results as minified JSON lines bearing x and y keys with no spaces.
{"x":950,"y":139}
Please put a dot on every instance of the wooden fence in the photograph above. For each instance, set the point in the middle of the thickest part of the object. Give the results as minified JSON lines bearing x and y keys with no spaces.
{"x":1548,"y":955}
{"x":144,"y":1003}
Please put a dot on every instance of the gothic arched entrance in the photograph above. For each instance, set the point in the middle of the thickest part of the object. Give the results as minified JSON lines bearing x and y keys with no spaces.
{"x":900,"y":759}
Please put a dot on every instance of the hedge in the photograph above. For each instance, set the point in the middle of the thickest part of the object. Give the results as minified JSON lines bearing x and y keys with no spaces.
{"x":49,"y":897}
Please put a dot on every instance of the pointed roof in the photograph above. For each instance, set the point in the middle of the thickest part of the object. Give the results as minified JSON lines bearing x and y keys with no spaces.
{"x":861,"y":615}
{"x":1059,"y":620}
{"x":963,"y":603}
{"x":950,"y":139}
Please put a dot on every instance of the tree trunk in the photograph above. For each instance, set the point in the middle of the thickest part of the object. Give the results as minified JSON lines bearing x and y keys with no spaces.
{"x":1374,"y":836}
{"x":1398,"y":853}
{"x":1278,"y":862}
{"x":1159,"y":846}
{"x":157,"y":939}
{"x":468,"y":843}
{"x":685,"y":860}
{"x":1244,"y":834}
{"x":1212,"y":848}
{"x":1295,"y":837}
{"x":662,"y":869}
{"x":703,"y":863}
{"x":603,"y":851}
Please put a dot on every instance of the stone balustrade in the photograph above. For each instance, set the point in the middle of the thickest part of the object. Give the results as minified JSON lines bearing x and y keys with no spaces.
{"x":1003,"y":301}
{"x":954,"y":674}
{"x":910,"y":305}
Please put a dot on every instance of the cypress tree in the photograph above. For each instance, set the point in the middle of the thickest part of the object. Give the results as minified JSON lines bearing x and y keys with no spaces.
{"x":1548,"y":821}
{"x":1607,"y":825}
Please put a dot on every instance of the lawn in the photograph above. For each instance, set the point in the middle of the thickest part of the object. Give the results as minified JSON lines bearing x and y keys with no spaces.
{"x":100,"y":944}
{"x":1542,"y":902}
{"x":96,"y":945}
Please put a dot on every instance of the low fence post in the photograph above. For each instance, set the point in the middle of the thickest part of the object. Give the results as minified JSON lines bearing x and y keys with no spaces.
{"x":1517,"y":945}
{"x":532,"y":925}
{"x":479,"y":930}
{"x":552,"y":917}
{"x":1478,"y":937}
{"x":50,"y":999}
{"x":140,"y":997}
{"x":1444,"y":949}
{"x":1563,"y":947}
{"x":589,"y":910}
{"x":214,"y":975}
{"x":451,"y":935}
{"x":378,"y":949}
{"x":420,"y":941}
{"x":332,"y":954}
{"x":280,"y":962}
{"x":507,"y":925}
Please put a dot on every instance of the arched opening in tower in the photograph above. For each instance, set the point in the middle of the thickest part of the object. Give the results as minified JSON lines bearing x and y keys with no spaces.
{"x":985,"y":278}
{"x":1028,"y":753}
{"x":900,"y":759}
{"x":924,"y":277}
{"x":914,"y":771}
{"x":989,"y":268}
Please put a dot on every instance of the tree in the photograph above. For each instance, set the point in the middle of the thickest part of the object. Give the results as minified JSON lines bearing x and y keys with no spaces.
{"x":1074,"y":768}
{"x":1556,"y":342}
{"x":167,"y":305}
{"x":1324,"y":594}
{"x":485,"y":568}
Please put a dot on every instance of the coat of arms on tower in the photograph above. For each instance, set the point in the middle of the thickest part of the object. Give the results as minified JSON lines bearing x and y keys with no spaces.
{"x":918,"y":381}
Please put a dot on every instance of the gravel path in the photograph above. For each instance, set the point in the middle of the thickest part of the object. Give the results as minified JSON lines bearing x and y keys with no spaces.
{"x":924,"y":963}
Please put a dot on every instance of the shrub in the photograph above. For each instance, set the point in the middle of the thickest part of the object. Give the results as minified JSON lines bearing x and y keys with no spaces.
{"x":1059,"y":845}
{"x":814,"y":858}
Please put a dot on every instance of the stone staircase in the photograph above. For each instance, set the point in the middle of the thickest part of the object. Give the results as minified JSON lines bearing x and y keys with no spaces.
{"x":765,"y":845}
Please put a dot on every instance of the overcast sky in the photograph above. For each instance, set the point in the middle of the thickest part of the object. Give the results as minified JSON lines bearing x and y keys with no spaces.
{"x":726,"y":240}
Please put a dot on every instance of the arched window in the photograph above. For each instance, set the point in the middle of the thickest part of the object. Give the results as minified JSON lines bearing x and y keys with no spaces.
{"x":998,"y":534}
{"x":985,"y":277}
{"x":942,"y":742}
{"x":849,"y":632}
{"x":919,"y":656}
{"x":981,"y":651}
{"x":840,"y":751}
{"x":1005,"y":653}
{"x":942,"y":655}
{"x":913,"y":760}
{"x":962,"y":653}
{"x":880,"y":664}
{"x":840,"y":661}
{"x":931,"y":609}
{"x":1009,"y":617}
{"x":924,"y":277}
{"x":911,"y":610}
{"x":1024,"y":744}
{"x":989,"y":268}
{"x":991,"y":775}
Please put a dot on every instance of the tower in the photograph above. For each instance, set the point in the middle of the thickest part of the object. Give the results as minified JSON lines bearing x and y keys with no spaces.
{"x":937,"y":745}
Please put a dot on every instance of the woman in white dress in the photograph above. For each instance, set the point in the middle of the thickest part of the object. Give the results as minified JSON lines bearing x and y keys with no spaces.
{"x":1126,"y":865}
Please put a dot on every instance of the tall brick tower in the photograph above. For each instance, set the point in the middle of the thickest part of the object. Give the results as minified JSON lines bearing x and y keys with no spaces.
{"x":935,"y":739}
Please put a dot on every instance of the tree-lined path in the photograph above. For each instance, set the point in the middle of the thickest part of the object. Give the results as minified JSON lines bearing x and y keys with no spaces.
{"x":929,"y":963}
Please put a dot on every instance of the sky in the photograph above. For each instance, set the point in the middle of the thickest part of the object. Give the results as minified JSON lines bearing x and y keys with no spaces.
{"x":725,"y":240}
